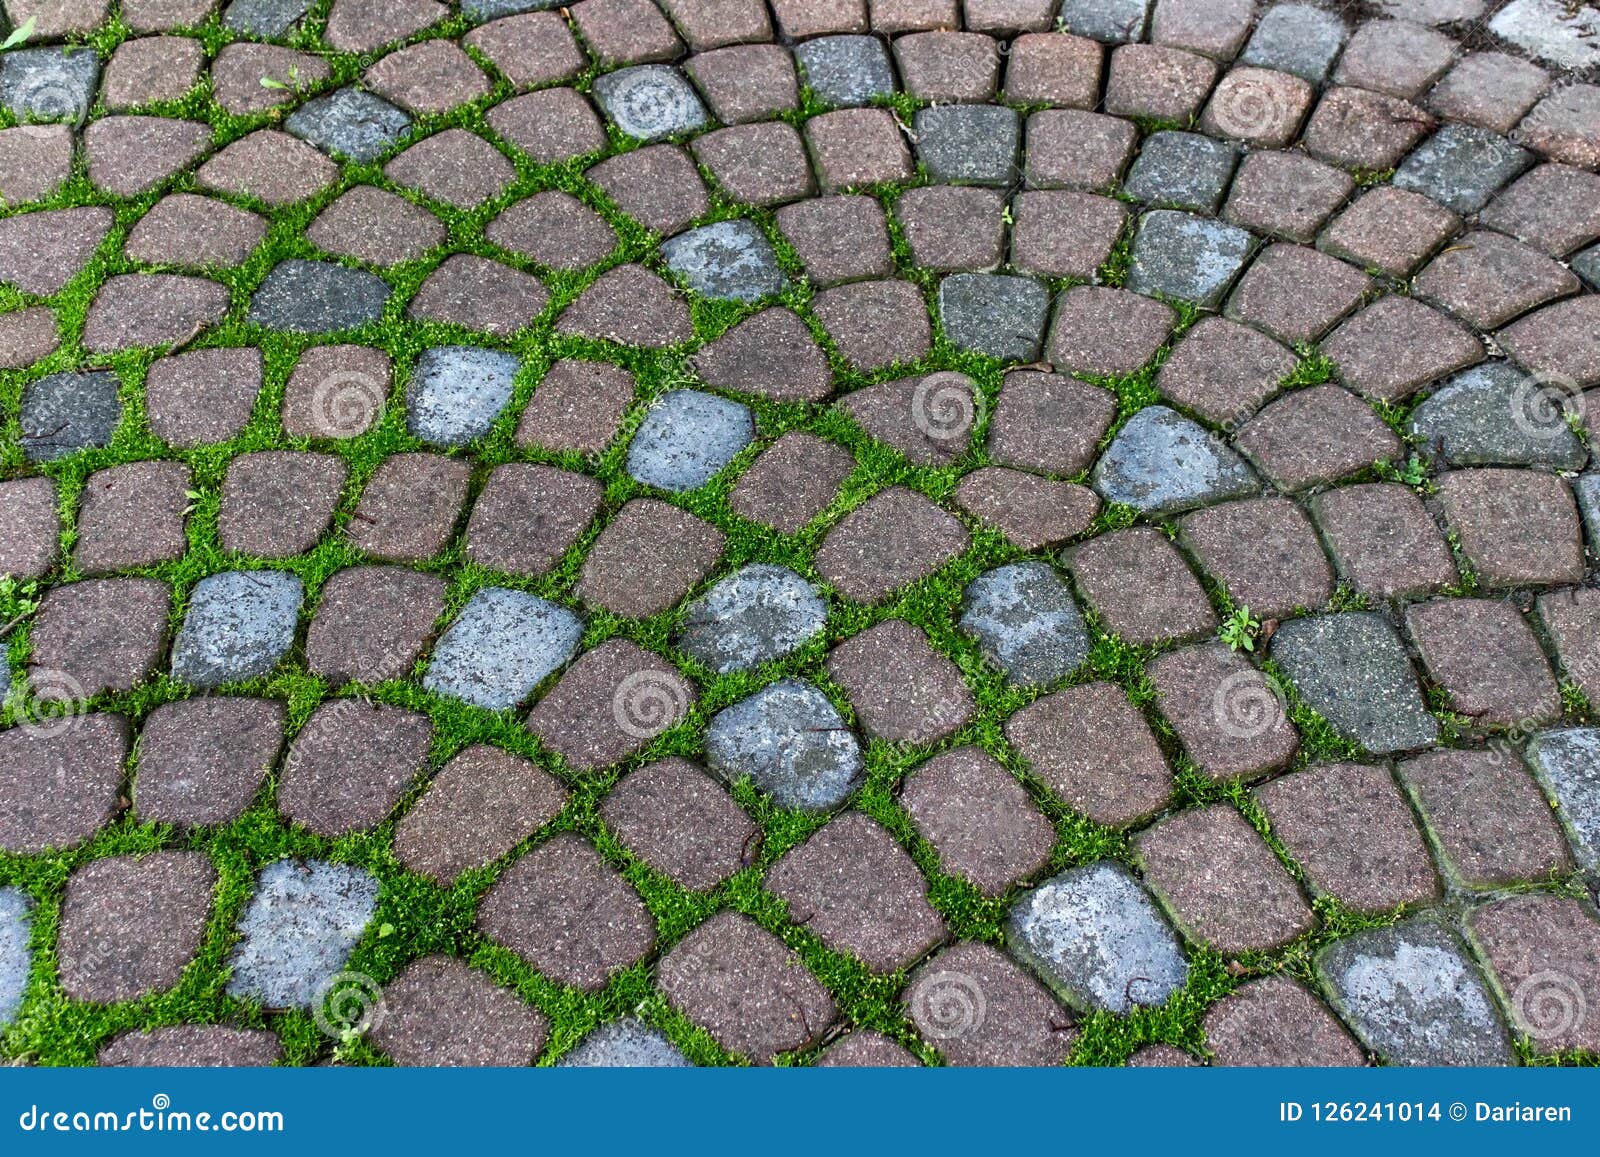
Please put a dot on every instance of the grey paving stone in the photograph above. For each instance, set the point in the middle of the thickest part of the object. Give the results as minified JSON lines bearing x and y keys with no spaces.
{"x":1567,"y":762}
{"x":624,"y":1044}
{"x":1025,"y":620}
{"x":1161,"y":462}
{"x":350,"y":123}
{"x":1413,"y":996}
{"x":846,"y":71}
{"x":755,"y":615}
{"x":1096,"y":937}
{"x":791,"y":742}
{"x":500,"y":647}
{"x":456,"y":393}
{"x":267,"y":18}
{"x":972,"y":144}
{"x":1182,"y":170}
{"x":299,"y":929}
{"x":482,"y":10}
{"x":686,"y":438}
{"x":238,"y":626}
{"x":1461,"y":167}
{"x":1495,"y":415}
{"x":301,"y":296}
{"x":1184,"y":256}
{"x":727,"y":260}
{"x":67,"y":412}
{"x":1109,"y":21}
{"x":1353,"y":670}
{"x":49,"y":84}
{"x":1551,"y":31}
{"x":988,"y":313}
{"x":650,"y":102}
{"x":15,"y":960}
{"x":1296,"y":38}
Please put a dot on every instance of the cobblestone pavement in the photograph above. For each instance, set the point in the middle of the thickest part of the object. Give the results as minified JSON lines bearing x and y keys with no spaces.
{"x":842,"y":532}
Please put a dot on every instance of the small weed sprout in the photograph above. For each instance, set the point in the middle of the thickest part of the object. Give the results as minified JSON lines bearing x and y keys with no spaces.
{"x":1239,"y":630}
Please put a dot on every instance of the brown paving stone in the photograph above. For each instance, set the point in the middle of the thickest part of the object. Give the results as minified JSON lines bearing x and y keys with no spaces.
{"x":902,"y":689}
{"x":1296,"y":294}
{"x":1161,"y":1056}
{"x":1391,"y":230}
{"x":277,"y":503}
{"x":1276,"y":1022}
{"x":483,"y":803}
{"x":1215,"y":27}
{"x":1491,"y":822}
{"x":1516,"y":527}
{"x":1140,"y":586}
{"x":240,"y":68}
{"x":865,"y":1049}
{"x":631,"y":306}
{"x":1228,"y":715}
{"x":1317,"y":435}
{"x":270,"y":166}
{"x":610,"y":703}
{"x":658,"y":186}
{"x":1565,"y":125}
{"x":479,"y":294}
{"x":802,"y":19}
{"x":56,"y":18}
{"x":553,"y":229}
{"x":1222,"y":884}
{"x":681,"y":822}
{"x":1100,"y":330}
{"x":454,"y":167}
{"x":555,"y":125}
{"x":192,"y":1046}
{"x":528,"y":516}
{"x":1060,"y":233}
{"x":165,"y":15}
{"x":1383,"y":541}
{"x":712,"y":23}
{"x":151,"y":69}
{"x":857,"y":146}
{"x":372,"y":623}
{"x":1545,"y":952}
{"x":1032,"y":512}
{"x":133,"y":310}
{"x":948,"y":65}
{"x":953,"y":228}
{"x":433,"y":76}
{"x":745,"y":987}
{"x":1259,"y":106}
{"x":893,"y":539}
{"x":1007,"y":17}
{"x":59,"y":783}
{"x":202,"y":760}
{"x":375,"y":226}
{"x":132,"y":515}
{"x":131,"y":925}
{"x":409,"y":507}
{"x":350,"y":764}
{"x":35,"y":161}
{"x":1572,"y":620}
{"x":1265,"y":553}
{"x":1485,"y":656}
{"x":1285,"y":195}
{"x":1394,"y":57}
{"x":1075,"y":149}
{"x":577,"y":406}
{"x":746,"y":82}
{"x":439,"y":1011}
{"x":648,"y":557}
{"x":979,"y":1007}
{"x":626,"y":31}
{"x":1149,"y":80}
{"x":792,"y":481}
{"x":195,"y":232}
{"x":529,"y":49}
{"x":27,"y":336}
{"x":1357,"y":129}
{"x":1048,"y":422}
{"x":927,"y":418}
{"x":336,"y":391}
{"x":1554,"y":208}
{"x":1396,"y":346}
{"x":760,"y":164}
{"x":41,"y":252}
{"x":771,"y":353}
{"x":1094,"y":750}
{"x":568,"y":913}
{"x":979,"y":819}
{"x":130,"y":155}
{"x":203,"y":396}
{"x":361,"y":26}
{"x":1489,"y":89}
{"x":874,"y":324}
{"x":1560,"y":341}
{"x":859,"y":892}
{"x":1224,"y":371}
{"x":31,"y":530}
{"x":1350,"y":830}
{"x":1054,"y":68}
{"x":1487,"y":279}
{"x":838,"y":238}
{"x":99,"y":634}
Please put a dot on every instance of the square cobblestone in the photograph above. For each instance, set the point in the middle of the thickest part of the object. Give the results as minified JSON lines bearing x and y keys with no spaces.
{"x":854,"y":147}
{"x":1462,"y":167}
{"x":903,"y":691}
{"x":268,"y":166}
{"x":372,"y":623}
{"x":1396,"y":346}
{"x":551,"y":126}
{"x":1141,"y":588}
{"x":440,"y":1011}
{"x":949,"y":227}
{"x":1182,"y":170}
{"x":760,"y":164}
{"x":1032,"y":512}
{"x":202,"y":761}
{"x":1489,"y":89}
{"x":969,"y":143}
{"x":1228,"y":715}
{"x":895,"y":538}
{"x":1216,"y":28}
{"x":454,"y":167}
{"x":1565,"y":125}
{"x":647,"y":558}
{"x":41,"y":252}
{"x":1285,"y":195}
{"x":98,"y":635}
{"x":1048,"y":422}
{"x":1364,"y":131}
{"x":1314,"y":436}
{"x":1021,"y":1023}
{"x":1394,"y":57}
{"x":746,"y":82}
{"x":528,"y":516}
{"x":1076,"y":149}
{"x":1530,"y":941}
{"x":1383,"y":540}
{"x":1554,"y":208}
{"x":681,"y":822}
{"x":1390,"y":230}
{"x":838,"y":239}
{"x":577,"y":406}
{"x":1224,"y":371}
{"x":1107,"y":332}
{"x":1274,"y":1021}
{"x":1265,"y":553}
{"x":874,"y":324}
{"x":1297,"y":38}
{"x":350,"y":764}
{"x":132,"y":515}
{"x":1188,"y":257}
{"x":553,"y":229}
{"x":1486,"y":658}
{"x":771,"y":353}
{"x":336,"y":392}
{"x":1064,"y":234}
{"x":1296,"y":294}
{"x":1163,"y":84}
{"x":709,"y":24}
{"x":1056,"y":69}
{"x":277,"y":503}
{"x":1517,"y":527}
{"x":978,"y":817}
{"x":949,"y":66}
{"x":409,"y":508}
{"x":1560,"y":340}
{"x":792,"y":481}
{"x":803,"y":19}
{"x":30,"y":535}
{"x":530,"y":49}
{"x":658,"y":186}
{"x":1571,"y":618}
{"x":610,"y":703}
{"x":1486,"y":280}
{"x":60,"y":785}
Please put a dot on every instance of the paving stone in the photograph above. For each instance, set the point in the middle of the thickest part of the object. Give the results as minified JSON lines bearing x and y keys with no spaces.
{"x":440,"y":1011}
{"x":791,"y":742}
{"x":30,"y":535}
{"x":974,"y":144}
{"x":759,"y":164}
{"x":192,"y":1046}
{"x":680,"y":821}
{"x":626,"y":31}
{"x":1161,"y":1057}
{"x":1559,"y":342}
{"x":27,"y":336}
{"x":1216,"y":28}
{"x":978,"y":1007}
{"x":1274,"y":1021}
{"x":410,"y":506}
{"x":98,"y":635}
{"x":203,"y":396}
{"x":1353,"y":670}
{"x":1184,"y":170}
{"x":1230,"y":718}
{"x":454,"y":167}
{"x":845,"y":71}
{"x":892,"y":16}
{"x":1552,"y":208}
{"x":317,"y":297}
{"x":1490,"y":90}
{"x":528,"y":516}
{"x":1183,"y":256}
{"x":267,"y":18}
{"x":1412,"y":996}
{"x":132,"y":515}
{"x":35,"y":161}
{"x":152,"y":69}
{"x":650,"y":102}
{"x":657,"y":186}
{"x":568,"y":913}
{"x":1566,"y":764}
{"x":1487,"y":280}
{"x":479,"y":294}
{"x":713,"y":23}
{"x":60,"y":781}
{"x":793,"y":481}
{"x":1395,"y":57}
{"x":44,"y":85}
{"x":625,"y":1044}
{"x":1396,"y":346}
{"x":63,"y":413}
{"x":481,"y":805}
{"x":298,"y":931}
{"x":1048,"y":422}
{"x":529,"y":49}
{"x":865,"y":1049}
{"x":744,"y":986}
{"x":952,"y":227}
{"x":1140,"y":587}
{"x":202,"y":760}
{"x":903,"y":691}
{"x":1107,"y":332}
{"x":1296,"y":38}
{"x":803,"y":19}
{"x":757,"y":614}
{"x":372,"y":623}
{"x":1074,"y":149}
{"x":853,"y":147}
{"x":1221,"y":882}
{"x":1053,"y":69}
{"x":432,"y":76}
{"x":501,"y":646}
{"x":1517,"y":527}
{"x":728,"y":260}
{"x":1023,"y":617}
{"x":1314,"y":436}
{"x":1433,"y":12}
{"x":1160,"y":462}
{"x":1495,"y":415}
{"x":241,"y":72}
{"x":1565,"y":125}
{"x":134,"y":310}
{"x":1544,"y":952}
{"x":615,"y":699}
{"x":631,"y":306}
{"x":1462,"y":167}
{"x":1224,"y":371}
{"x":1571,"y":619}
{"x":1490,"y":823}
{"x":1383,"y":541}
{"x":553,"y":125}
{"x":1110,"y":21}
{"x":1064,"y":234}
{"x":838,"y":238}
{"x":268,"y":166}
{"x":948,"y":65}
{"x":238,"y":626}
{"x":195,"y":233}
{"x":929,"y":419}
{"x":553,"y":229}
{"x":978,"y":818}
{"x":1032,"y":512}
{"x":1296,"y":294}
{"x":1285,"y":195}
{"x":131,"y":925}
{"x":1390,"y":230}
{"x":456,"y":393}
{"x":364,"y":25}
{"x":686,"y":439}
{"x":874,"y":324}
{"x":336,"y":391}
{"x":1353,"y":835}
{"x":1264,"y":552}
{"x":1002,"y":317}
{"x":895,"y":538}
{"x":1258,"y":106}
{"x":576,"y":406}
{"x":1364,"y":131}
{"x":350,"y":123}
{"x":376,"y":227}
{"x":1163,"y":84}
{"x":771,"y":353}
{"x":647,"y":559}
{"x":277,"y":503}
{"x":1096,"y":938}
{"x":53,"y":20}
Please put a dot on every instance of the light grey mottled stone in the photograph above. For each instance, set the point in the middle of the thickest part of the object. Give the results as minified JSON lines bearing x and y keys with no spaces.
{"x":1025,"y":619}
{"x":350,"y":123}
{"x":456,"y":393}
{"x":686,"y":438}
{"x":757,"y":614}
{"x":789,"y":739}
{"x":15,"y":961}
{"x":1161,"y":462}
{"x":650,"y":101}
{"x":299,"y":930}
{"x":1568,"y":763}
{"x":238,"y":625}
{"x":624,"y":1044}
{"x":500,"y":647}
{"x":727,"y":260}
